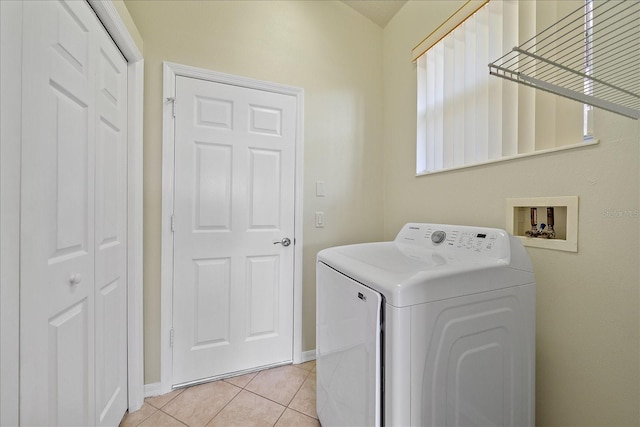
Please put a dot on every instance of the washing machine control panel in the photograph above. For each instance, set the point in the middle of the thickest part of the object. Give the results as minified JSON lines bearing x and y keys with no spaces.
{"x":460,"y":239}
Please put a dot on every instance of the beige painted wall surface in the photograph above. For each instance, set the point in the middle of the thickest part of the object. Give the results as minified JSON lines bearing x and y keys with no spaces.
{"x":324,"y":47}
{"x":588,"y":322}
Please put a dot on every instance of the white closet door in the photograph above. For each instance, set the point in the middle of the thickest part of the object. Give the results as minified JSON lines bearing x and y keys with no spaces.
{"x":72,"y":285}
{"x":110,"y":233}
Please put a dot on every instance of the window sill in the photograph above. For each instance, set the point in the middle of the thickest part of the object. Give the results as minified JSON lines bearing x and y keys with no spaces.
{"x":586,"y":143}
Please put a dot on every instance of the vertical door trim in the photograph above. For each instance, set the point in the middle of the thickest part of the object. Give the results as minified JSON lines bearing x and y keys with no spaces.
{"x":170,"y":71}
{"x":10,"y":196}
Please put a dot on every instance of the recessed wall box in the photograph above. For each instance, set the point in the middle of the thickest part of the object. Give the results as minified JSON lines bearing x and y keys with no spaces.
{"x":544,"y":222}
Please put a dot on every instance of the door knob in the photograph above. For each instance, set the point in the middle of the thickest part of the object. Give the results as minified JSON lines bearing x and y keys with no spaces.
{"x":284,"y":242}
{"x":75,"y":279}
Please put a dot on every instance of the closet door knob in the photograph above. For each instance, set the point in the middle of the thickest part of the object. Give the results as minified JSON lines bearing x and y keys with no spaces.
{"x":75,"y":279}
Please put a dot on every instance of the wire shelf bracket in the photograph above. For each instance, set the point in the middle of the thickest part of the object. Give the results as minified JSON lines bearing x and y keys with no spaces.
{"x":592,"y":55}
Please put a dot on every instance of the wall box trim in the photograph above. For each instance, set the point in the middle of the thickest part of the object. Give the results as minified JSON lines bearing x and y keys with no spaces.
{"x":566,"y":210}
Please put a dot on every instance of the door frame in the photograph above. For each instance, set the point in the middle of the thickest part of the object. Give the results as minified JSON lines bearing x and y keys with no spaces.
{"x":10,"y":113}
{"x":170,"y":72}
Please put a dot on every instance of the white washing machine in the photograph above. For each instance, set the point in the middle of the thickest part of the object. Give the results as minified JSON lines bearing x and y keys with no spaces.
{"x":436,"y":328}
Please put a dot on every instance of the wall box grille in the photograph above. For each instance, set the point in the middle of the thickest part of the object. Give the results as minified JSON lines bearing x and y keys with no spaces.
{"x":565,"y":222}
{"x":590,"y":55}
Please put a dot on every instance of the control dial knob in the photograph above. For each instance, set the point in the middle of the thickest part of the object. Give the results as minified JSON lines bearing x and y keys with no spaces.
{"x":438,"y":236}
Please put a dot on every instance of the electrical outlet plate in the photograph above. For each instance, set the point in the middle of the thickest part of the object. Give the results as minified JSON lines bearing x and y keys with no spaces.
{"x":566,"y":221}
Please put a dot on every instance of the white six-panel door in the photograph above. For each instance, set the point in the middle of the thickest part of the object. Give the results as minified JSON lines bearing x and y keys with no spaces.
{"x":73,"y":223}
{"x":234,"y":205}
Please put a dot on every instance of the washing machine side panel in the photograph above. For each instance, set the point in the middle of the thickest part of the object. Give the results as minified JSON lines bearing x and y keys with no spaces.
{"x":473,"y":360}
{"x":397,"y":366}
{"x":348,"y":330}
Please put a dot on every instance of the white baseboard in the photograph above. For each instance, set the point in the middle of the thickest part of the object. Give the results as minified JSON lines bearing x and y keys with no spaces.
{"x":153,"y":389}
{"x":308,"y":355}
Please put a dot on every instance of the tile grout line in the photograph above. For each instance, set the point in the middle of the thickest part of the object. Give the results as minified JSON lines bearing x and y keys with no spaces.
{"x":307,"y":374}
{"x":244,"y":388}
{"x":228,"y":403}
{"x":144,"y":419}
{"x":166,"y":403}
{"x":170,"y":400}
{"x":171,"y":416}
{"x":294,"y":396}
{"x":305,"y":380}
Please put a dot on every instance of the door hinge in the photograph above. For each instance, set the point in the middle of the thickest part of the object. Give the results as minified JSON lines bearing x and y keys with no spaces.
{"x":172,"y":100}
{"x":173,"y":223}
{"x":171,"y":338}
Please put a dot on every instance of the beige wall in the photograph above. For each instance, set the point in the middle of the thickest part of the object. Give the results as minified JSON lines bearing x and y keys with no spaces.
{"x":587,"y":370}
{"x":322,"y":46}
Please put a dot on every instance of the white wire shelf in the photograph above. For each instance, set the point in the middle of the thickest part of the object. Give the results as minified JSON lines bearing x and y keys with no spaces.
{"x":592,"y":55}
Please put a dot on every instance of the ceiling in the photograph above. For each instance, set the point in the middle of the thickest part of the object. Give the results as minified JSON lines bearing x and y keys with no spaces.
{"x":379,"y":11}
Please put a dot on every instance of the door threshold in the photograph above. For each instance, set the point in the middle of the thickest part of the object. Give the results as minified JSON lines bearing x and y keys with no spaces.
{"x":230,"y":375}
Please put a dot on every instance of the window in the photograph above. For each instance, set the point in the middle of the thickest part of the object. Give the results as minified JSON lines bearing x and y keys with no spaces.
{"x":467,"y":117}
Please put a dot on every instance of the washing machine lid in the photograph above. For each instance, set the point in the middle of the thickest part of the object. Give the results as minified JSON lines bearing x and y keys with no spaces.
{"x":431,"y":262}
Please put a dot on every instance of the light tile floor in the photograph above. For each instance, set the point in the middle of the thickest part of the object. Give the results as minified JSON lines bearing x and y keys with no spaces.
{"x":283,"y":396}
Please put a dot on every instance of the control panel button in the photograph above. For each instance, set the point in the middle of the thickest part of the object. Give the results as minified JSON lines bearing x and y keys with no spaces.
{"x":438,"y":236}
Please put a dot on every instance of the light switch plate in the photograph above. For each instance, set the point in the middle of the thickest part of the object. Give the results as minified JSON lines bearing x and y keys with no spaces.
{"x":319,"y":219}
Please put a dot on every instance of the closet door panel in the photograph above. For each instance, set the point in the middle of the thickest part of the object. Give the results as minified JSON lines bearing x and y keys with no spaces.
{"x":57,"y":223}
{"x":73,"y":287}
{"x":111,"y":234}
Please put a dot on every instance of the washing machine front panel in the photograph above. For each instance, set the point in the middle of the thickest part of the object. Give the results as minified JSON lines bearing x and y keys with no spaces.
{"x":472,"y":360}
{"x":348,"y":360}
{"x":459,"y":333}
